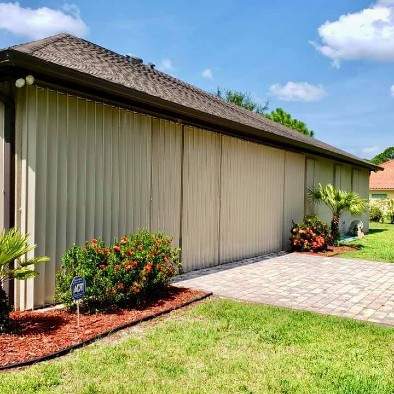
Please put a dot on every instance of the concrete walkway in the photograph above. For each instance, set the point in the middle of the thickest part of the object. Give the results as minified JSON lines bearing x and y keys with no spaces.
{"x":357,"y":289}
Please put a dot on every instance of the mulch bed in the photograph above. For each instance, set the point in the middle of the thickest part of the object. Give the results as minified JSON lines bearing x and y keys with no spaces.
{"x":333,"y":251}
{"x":45,"y":334}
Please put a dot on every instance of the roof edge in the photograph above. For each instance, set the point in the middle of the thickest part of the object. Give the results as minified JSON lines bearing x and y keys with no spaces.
{"x":15,"y":58}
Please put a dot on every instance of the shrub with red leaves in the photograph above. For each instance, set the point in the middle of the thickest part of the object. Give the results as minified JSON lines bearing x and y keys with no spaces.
{"x":310,"y":235}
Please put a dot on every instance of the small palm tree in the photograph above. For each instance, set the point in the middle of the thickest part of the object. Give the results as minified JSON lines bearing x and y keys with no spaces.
{"x":338,"y":201}
{"x":14,"y":247}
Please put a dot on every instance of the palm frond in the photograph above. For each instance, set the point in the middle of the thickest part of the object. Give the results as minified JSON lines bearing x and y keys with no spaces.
{"x":14,"y":247}
{"x":337,"y":200}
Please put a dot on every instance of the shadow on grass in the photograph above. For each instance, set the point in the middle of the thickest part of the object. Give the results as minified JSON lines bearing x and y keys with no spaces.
{"x":376,"y":230}
{"x":357,"y":247}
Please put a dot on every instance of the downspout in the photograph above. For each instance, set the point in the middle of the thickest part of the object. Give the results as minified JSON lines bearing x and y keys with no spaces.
{"x":9,"y":171}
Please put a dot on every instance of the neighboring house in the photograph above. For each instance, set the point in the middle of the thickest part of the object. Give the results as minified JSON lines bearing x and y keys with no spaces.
{"x":98,"y":144}
{"x":381,"y":184}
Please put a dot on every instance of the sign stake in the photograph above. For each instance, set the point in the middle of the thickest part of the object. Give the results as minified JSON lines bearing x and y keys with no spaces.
{"x":78,"y":289}
{"x":78,"y":301}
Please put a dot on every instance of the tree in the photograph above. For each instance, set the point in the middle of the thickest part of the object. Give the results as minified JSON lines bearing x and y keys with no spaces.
{"x":338,"y":201}
{"x":242,"y":99}
{"x":283,"y":117}
{"x":14,"y":247}
{"x":386,"y":155}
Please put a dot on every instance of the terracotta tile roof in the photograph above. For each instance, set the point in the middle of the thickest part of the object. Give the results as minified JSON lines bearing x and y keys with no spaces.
{"x":383,"y":179}
{"x":83,"y":56}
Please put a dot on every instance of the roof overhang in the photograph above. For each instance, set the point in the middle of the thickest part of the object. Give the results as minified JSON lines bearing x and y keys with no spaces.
{"x":14,"y":62}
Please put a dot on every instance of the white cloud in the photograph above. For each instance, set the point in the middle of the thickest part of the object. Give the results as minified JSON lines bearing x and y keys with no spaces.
{"x":366,"y":34}
{"x":166,"y":65}
{"x":207,"y":74}
{"x":370,"y":151}
{"x":392,"y":90}
{"x":41,"y":22}
{"x":297,"y":91}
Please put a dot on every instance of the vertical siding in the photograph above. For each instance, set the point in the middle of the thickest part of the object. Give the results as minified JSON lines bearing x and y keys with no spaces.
{"x":251,"y":219}
{"x":363,"y":190}
{"x":2,"y":186}
{"x":201,"y":198}
{"x":294,"y":187}
{"x":324,"y":174}
{"x":310,"y":169}
{"x":138,"y":171}
{"x":346,"y":178}
{"x":166,"y":177}
{"x":2,"y":145}
{"x":83,"y":171}
{"x":19,"y":121}
{"x":346,"y":184}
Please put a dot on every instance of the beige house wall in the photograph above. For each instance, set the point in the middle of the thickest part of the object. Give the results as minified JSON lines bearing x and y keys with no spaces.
{"x":294,"y":187}
{"x":201,"y":198}
{"x":251,"y":218}
{"x":2,"y":146}
{"x":343,"y":176}
{"x":86,"y":169}
{"x":388,"y":193}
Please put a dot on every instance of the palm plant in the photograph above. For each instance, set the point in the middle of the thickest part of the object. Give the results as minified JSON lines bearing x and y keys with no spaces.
{"x":338,"y":201}
{"x":14,"y":247}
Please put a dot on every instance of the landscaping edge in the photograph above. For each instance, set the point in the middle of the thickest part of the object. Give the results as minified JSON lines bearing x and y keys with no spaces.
{"x":104,"y":334}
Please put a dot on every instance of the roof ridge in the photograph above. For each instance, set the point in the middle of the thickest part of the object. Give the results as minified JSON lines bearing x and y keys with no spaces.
{"x":36,"y":45}
{"x":106,"y":64}
{"x":220,"y":100}
{"x":240,"y":110}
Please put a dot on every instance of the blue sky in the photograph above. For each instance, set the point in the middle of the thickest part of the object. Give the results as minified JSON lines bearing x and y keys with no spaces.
{"x":327,"y":63}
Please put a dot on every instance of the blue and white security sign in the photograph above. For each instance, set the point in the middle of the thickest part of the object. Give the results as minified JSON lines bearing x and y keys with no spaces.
{"x":78,"y":288}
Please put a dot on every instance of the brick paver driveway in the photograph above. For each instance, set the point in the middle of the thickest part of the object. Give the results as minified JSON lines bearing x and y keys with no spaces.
{"x":353,"y":288}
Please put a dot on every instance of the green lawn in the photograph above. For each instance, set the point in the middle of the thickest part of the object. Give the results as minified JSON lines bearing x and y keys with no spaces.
{"x":226,"y":346}
{"x":377,"y":245}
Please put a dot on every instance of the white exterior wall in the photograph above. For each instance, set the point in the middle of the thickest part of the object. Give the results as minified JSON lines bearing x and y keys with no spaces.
{"x":86,"y":169}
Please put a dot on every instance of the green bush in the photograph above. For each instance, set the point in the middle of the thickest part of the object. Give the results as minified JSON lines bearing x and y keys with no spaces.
{"x":127,"y":271}
{"x":375,"y":213}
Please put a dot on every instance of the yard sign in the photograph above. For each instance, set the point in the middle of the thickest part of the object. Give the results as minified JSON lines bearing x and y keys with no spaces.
{"x":78,"y":289}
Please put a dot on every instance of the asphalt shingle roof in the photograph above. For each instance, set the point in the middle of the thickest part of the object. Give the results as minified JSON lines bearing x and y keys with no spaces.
{"x":81,"y":55}
{"x":383,"y":180}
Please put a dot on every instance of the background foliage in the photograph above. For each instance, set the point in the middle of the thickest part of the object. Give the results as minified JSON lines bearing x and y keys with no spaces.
{"x":386,"y":155}
{"x":279,"y":115}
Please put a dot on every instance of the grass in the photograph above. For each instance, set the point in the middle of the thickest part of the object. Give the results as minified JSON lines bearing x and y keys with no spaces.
{"x":226,"y":346}
{"x":378,"y":245}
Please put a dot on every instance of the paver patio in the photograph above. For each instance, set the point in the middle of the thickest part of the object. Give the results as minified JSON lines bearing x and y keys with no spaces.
{"x":358,"y":289}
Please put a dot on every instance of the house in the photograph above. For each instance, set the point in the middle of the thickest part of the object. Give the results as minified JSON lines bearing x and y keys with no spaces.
{"x":96,"y":144}
{"x":381,"y":184}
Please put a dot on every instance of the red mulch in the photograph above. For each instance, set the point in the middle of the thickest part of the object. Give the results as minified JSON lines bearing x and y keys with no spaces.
{"x":333,"y":251}
{"x":42,"y":333}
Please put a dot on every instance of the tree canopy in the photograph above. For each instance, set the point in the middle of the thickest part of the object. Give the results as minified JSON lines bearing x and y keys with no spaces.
{"x":386,"y":155}
{"x":242,"y":99}
{"x":279,"y":115}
